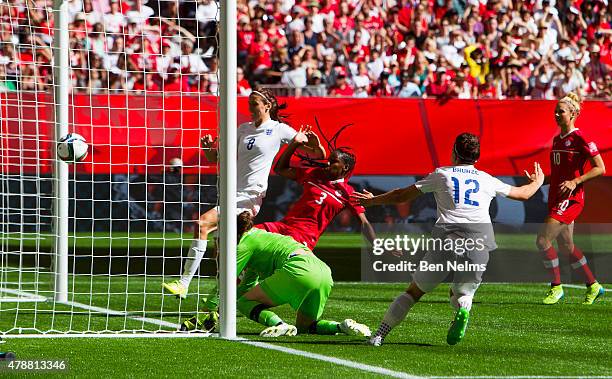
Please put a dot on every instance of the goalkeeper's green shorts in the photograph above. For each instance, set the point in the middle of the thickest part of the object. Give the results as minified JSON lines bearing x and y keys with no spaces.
{"x":304,"y":282}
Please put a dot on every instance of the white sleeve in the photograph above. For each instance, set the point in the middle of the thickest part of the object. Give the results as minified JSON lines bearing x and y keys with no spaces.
{"x":500,"y":187}
{"x":431,"y":183}
{"x":286,"y":133}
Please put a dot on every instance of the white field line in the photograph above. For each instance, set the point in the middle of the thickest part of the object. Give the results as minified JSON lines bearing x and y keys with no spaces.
{"x":337,"y":361}
{"x":108,"y":335}
{"x":263,"y":345}
{"x":583,"y":287}
{"x":305,"y":354}
{"x":22,"y":297}
{"x":520,"y":377}
{"x":122,"y":313}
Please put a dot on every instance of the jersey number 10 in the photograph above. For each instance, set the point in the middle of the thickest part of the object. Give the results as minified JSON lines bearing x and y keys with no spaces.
{"x":557,"y":158}
{"x":468,"y":191}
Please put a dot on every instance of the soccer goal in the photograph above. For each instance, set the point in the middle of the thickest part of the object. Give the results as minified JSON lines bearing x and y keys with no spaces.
{"x":86,"y":246}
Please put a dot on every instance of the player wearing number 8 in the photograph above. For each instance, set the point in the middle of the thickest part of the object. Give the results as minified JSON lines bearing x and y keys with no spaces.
{"x":463,"y":194}
{"x":258,"y":143}
{"x":570,"y":152}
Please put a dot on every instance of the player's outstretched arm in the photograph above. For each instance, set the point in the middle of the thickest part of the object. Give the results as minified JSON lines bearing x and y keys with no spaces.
{"x":282,"y":166}
{"x":397,"y":196}
{"x":209,"y":151}
{"x":598,"y":168}
{"x":367,"y":229}
{"x":525,"y":192}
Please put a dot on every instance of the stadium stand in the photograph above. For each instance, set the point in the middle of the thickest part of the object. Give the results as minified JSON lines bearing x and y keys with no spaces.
{"x":501,"y":49}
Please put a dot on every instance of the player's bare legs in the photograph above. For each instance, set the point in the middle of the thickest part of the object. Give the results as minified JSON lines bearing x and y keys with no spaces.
{"x":306,"y":324}
{"x":564,"y":234}
{"x":550,"y":230}
{"x":578,"y":262}
{"x":206,"y":224}
{"x":255,"y":304}
{"x":397,"y":312}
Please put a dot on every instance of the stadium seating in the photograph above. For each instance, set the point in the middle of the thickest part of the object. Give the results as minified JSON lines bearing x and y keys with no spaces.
{"x":538,"y":49}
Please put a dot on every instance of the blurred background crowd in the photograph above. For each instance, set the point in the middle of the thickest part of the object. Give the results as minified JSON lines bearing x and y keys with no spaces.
{"x":500,"y":49}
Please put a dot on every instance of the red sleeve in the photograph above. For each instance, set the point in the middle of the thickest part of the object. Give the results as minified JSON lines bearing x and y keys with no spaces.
{"x":588,"y":147}
{"x":302,"y":173}
{"x":353,"y":205}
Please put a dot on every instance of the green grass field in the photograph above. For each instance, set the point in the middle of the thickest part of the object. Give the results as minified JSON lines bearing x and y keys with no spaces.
{"x":510,"y":333}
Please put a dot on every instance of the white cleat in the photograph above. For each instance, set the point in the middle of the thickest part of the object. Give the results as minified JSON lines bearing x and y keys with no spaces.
{"x":353,"y":328}
{"x":375,"y":341}
{"x":279,"y":330}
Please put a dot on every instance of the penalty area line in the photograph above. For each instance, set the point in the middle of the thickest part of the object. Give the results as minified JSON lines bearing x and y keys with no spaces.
{"x":325,"y":358}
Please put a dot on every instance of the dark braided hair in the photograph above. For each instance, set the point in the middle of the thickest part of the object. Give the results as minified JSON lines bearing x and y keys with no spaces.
{"x":346,"y":154}
{"x":275,"y":107}
{"x":467,"y":148}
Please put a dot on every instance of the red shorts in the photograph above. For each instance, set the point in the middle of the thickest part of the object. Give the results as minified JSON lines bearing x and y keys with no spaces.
{"x":279,"y":227}
{"x":566,"y":211}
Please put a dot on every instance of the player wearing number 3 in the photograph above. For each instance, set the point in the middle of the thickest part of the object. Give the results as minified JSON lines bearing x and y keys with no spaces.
{"x":570,"y":151}
{"x":258,"y":143}
{"x":463,"y":195}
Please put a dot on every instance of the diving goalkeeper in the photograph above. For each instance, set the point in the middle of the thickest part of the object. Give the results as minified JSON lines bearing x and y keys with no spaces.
{"x":278,"y":270}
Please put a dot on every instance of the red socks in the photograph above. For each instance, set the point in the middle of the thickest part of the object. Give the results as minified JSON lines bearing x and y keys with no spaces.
{"x":579,"y":264}
{"x":551,"y":262}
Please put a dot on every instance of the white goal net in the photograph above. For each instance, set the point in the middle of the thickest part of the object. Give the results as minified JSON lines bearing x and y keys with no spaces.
{"x":142,"y":89}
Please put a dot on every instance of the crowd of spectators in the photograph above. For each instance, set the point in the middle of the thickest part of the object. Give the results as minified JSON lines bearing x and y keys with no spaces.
{"x":538,"y":49}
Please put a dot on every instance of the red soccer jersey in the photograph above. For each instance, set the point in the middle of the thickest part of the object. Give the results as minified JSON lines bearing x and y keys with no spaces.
{"x":568,"y":158}
{"x":320,"y":202}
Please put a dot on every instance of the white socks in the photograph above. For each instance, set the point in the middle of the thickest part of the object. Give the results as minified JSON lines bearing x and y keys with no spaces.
{"x":192,"y":263}
{"x":464,"y":301}
{"x":395,"y":314}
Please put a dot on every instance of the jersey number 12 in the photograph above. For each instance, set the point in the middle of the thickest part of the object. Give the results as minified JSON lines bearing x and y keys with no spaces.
{"x":466,"y":197}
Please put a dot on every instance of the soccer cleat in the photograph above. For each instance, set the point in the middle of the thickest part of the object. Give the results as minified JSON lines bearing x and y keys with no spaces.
{"x":207,"y":323}
{"x":456,"y":332}
{"x":353,"y":328}
{"x":279,"y":330}
{"x":176,"y":288}
{"x":594,"y":291}
{"x":554,"y":294}
{"x":375,"y":341}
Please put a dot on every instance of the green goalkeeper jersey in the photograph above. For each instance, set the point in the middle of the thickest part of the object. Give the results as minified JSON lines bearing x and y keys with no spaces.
{"x":259,"y":254}
{"x":264,"y":252}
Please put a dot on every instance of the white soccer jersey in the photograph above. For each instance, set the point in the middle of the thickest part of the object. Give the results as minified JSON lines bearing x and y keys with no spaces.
{"x":463,"y":194}
{"x":257,"y":148}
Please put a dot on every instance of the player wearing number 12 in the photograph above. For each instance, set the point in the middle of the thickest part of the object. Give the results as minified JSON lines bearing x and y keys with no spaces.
{"x":570,"y":152}
{"x":463,"y":195}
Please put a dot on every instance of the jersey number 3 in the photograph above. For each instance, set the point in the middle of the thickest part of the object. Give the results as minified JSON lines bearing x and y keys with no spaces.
{"x":321,"y":199}
{"x":466,"y":197}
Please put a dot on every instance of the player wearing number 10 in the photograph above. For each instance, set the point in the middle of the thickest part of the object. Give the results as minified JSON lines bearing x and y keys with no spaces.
{"x":463,"y":194}
{"x":258,"y":143}
{"x":570,"y":152}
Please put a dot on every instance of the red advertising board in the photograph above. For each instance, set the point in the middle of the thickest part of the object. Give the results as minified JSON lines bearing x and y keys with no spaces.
{"x":140,"y":134}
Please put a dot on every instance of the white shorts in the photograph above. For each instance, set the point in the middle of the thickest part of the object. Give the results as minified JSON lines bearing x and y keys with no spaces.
{"x":465,"y":282}
{"x":248,"y":201}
